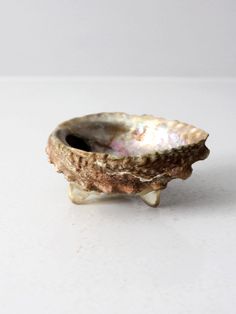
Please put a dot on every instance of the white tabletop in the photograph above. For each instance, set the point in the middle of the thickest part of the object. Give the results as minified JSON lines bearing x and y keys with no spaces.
{"x":118,"y":256}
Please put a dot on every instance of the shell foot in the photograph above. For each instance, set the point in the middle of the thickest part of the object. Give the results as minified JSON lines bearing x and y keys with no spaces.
{"x":77,"y":195}
{"x":151,"y":198}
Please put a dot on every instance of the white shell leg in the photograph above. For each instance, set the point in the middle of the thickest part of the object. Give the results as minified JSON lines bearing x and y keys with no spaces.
{"x":77,"y":195}
{"x":151,"y":198}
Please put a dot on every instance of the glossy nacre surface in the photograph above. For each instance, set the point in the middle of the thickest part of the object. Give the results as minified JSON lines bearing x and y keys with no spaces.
{"x":127,"y":154}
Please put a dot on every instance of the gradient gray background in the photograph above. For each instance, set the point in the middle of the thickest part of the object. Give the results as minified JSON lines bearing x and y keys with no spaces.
{"x":125,"y":37}
{"x":117,"y":257}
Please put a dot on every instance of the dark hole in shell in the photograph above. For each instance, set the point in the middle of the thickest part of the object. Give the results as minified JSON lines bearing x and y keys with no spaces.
{"x":77,"y":142}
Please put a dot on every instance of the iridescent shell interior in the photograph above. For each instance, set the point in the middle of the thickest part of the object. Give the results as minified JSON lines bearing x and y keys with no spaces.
{"x":120,"y":134}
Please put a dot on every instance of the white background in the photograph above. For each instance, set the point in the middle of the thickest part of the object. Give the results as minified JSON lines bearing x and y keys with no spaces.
{"x":125,"y":37}
{"x":121,"y":256}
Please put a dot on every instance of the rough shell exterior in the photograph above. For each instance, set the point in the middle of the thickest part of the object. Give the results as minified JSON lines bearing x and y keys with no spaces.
{"x":103,"y":172}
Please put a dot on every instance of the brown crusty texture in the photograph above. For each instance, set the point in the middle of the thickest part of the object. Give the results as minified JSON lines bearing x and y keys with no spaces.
{"x":106,"y":173}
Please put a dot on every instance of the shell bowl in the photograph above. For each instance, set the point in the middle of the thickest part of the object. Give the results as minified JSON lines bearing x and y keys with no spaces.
{"x":117,"y":153}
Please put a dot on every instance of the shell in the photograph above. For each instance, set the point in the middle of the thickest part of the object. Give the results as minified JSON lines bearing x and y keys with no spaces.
{"x":118,"y":153}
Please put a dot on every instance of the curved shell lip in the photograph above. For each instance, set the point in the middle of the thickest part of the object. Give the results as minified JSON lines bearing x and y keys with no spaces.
{"x":105,"y":172}
{"x":84,"y":153}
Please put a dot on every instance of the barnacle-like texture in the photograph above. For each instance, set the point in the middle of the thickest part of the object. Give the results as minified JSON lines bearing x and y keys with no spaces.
{"x":120,"y":153}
